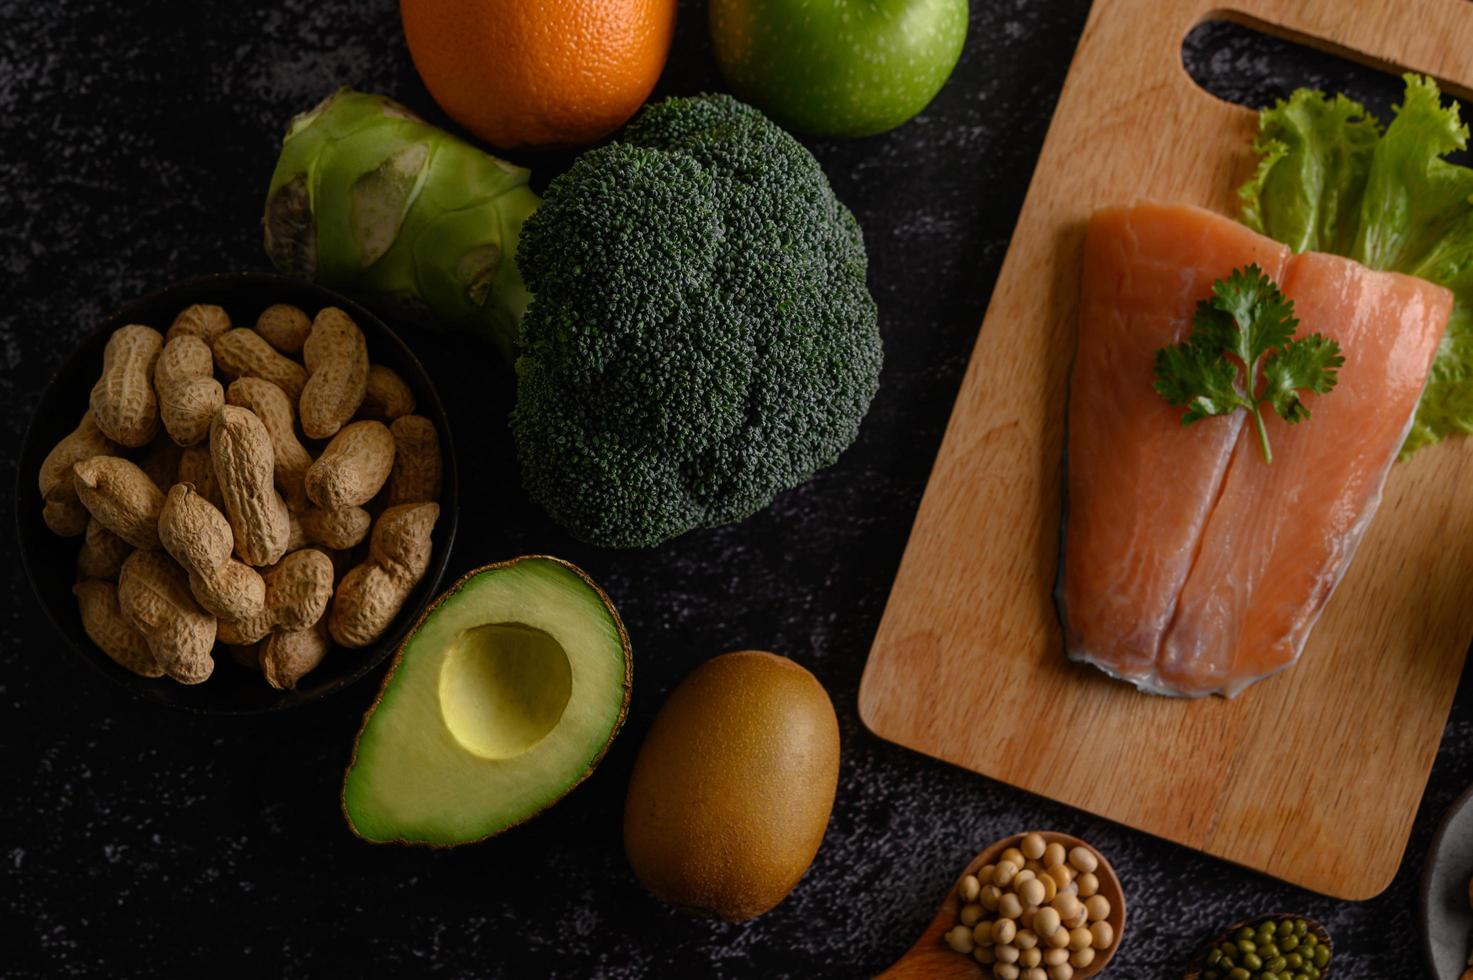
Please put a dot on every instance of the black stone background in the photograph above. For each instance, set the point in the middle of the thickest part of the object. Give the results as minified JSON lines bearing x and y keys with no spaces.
{"x":136,"y":141}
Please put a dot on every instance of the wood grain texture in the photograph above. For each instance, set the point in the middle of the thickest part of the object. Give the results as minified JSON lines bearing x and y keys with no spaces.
{"x":1314,"y":775}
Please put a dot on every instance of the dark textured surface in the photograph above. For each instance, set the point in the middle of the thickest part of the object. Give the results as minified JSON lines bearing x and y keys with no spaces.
{"x":135,"y":146}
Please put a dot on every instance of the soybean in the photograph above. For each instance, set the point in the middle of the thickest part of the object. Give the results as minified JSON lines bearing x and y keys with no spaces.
{"x":1031,"y":893}
{"x":1083,"y":860}
{"x":1066,"y":905}
{"x":1036,"y":914}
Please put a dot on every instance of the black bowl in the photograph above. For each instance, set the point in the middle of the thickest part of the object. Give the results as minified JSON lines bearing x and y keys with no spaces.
{"x":50,"y":562}
{"x":1447,"y":919}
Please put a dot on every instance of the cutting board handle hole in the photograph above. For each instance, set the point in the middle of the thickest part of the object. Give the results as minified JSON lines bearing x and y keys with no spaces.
{"x":1249,"y":64}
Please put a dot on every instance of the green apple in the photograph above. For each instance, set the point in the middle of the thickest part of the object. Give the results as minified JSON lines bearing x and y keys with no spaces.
{"x":838,"y":67}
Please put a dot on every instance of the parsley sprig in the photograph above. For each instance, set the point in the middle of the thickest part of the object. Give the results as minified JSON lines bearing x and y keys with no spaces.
{"x":1247,"y":326}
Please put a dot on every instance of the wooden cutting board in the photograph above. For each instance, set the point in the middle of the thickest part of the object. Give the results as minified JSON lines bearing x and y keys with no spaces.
{"x":1314,"y":775}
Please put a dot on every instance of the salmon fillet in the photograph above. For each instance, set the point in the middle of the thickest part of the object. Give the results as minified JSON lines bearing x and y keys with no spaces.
{"x":1139,"y":483}
{"x":1191,"y":566}
{"x":1281,"y":536}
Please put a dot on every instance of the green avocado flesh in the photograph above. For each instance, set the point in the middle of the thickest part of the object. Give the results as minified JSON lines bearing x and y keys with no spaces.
{"x":503,"y":700}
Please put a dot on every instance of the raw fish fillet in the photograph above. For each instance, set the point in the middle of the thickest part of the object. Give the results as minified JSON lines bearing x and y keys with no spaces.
{"x":1281,"y":536}
{"x":1191,"y":566}
{"x":1139,"y":483}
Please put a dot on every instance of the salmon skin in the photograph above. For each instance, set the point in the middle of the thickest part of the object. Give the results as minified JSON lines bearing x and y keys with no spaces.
{"x":1190,"y":565}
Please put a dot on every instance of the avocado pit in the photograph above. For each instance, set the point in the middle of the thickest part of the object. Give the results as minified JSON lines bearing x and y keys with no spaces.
{"x":503,"y":688}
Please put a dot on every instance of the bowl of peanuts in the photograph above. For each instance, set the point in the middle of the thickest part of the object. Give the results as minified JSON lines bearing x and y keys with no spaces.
{"x":238,"y":495}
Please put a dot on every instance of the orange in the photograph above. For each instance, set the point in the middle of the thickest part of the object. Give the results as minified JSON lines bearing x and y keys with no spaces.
{"x":539,"y":73}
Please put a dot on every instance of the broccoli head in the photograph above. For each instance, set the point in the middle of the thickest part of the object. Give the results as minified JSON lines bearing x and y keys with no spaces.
{"x":700,"y":336}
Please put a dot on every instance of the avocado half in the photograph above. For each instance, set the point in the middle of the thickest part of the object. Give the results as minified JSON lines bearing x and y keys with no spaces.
{"x":504,"y":697}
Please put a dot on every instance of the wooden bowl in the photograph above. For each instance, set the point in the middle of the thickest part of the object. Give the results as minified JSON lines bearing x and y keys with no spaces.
{"x":931,"y":959}
{"x":1198,"y":964}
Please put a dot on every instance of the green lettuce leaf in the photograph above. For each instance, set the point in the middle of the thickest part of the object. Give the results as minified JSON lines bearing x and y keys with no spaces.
{"x":1314,"y":157}
{"x":1330,"y":179}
